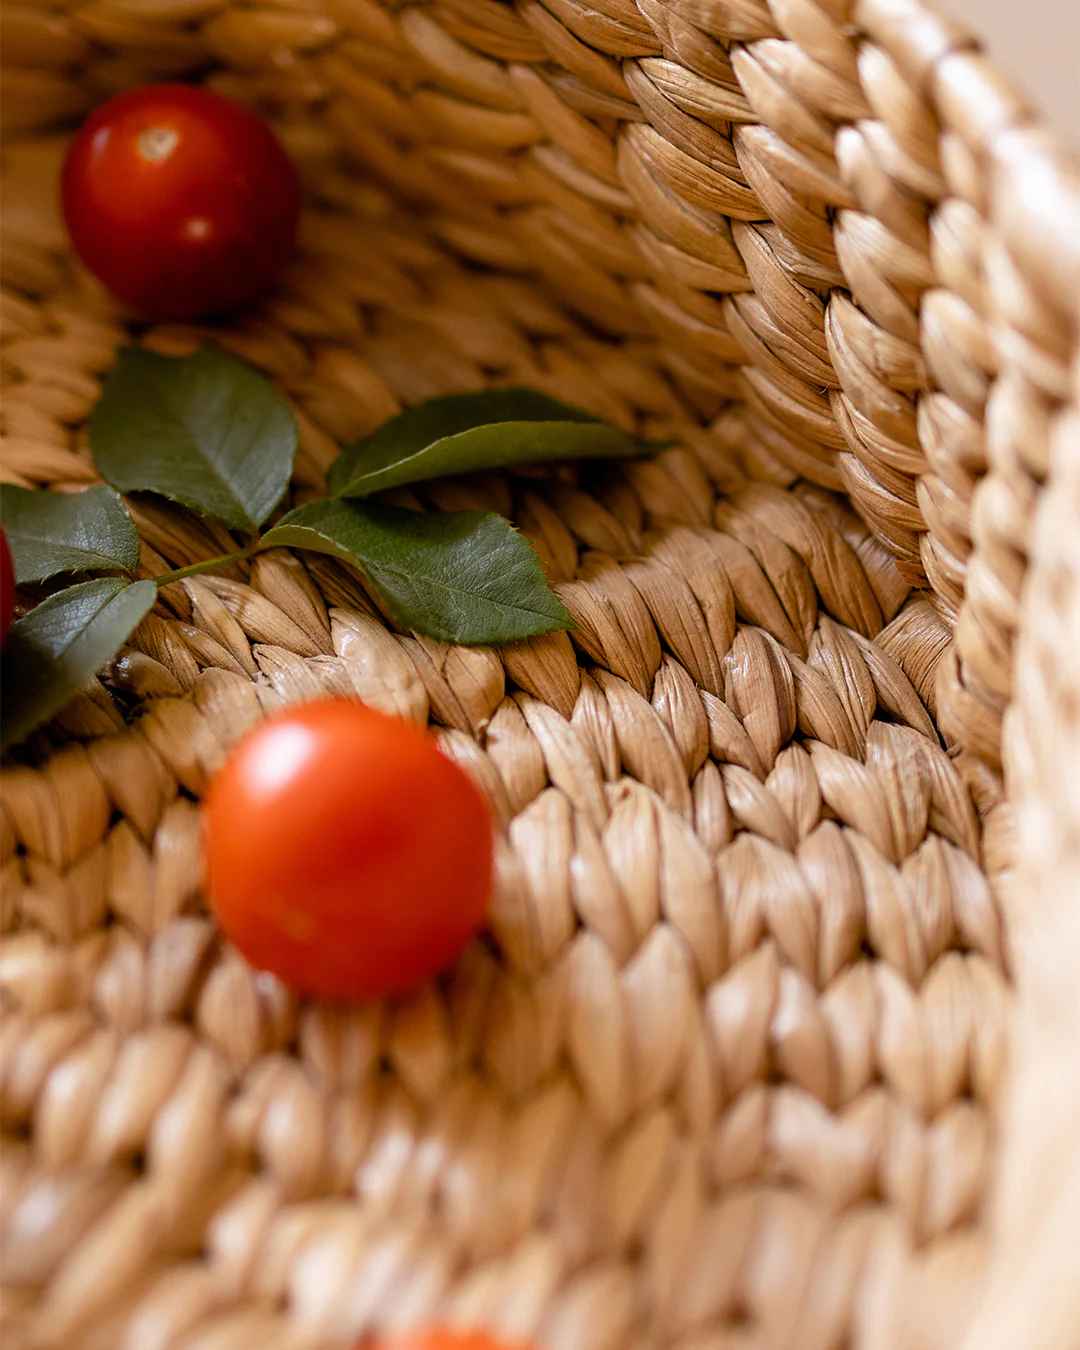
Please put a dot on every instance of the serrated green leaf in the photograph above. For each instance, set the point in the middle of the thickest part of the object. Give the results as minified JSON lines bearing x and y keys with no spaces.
{"x":205,"y":430}
{"x":53,"y":532}
{"x":465,"y":432}
{"x":466,"y":576}
{"x":51,"y":652}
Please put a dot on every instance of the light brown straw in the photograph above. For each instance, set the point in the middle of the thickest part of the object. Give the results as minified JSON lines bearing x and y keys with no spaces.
{"x":728,"y":1071}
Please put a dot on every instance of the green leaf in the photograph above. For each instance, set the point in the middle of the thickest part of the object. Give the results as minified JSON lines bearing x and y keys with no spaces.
{"x":51,"y":532}
{"x":51,"y":653}
{"x":206,"y":430}
{"x":466,"y":576}
{"x":474,"y":431}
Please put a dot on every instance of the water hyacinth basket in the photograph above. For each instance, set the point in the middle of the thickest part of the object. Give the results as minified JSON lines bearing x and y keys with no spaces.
{"x":772,"y":1040}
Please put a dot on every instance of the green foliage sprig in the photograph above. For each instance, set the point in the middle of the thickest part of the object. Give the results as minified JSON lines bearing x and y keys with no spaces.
{"x":209,"y":432}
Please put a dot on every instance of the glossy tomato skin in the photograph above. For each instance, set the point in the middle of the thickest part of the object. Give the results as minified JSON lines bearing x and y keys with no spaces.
{"x":446,"y":1340}
{"x":181,"y":201}
{"x":7,"y":586}
{"x":345,"y":853}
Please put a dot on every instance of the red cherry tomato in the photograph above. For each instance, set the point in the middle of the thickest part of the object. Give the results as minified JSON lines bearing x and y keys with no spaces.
{"x":182,"y":202}
{"x":345,"y":853}
{"x":7,"y":586}
{"x":448,"y":1340}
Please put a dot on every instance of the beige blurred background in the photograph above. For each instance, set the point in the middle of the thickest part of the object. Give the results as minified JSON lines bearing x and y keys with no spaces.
{"x":1037,"y":43}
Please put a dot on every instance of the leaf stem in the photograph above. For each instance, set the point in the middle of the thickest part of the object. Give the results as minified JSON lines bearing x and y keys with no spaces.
{"x":207,"y":565}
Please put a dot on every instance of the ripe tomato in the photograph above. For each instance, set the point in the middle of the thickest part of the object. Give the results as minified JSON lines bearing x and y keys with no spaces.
{"x":448,"y":1340}
{"x":7,"y":586}
{"x":182,"y":202}
{"x":345,"y":853}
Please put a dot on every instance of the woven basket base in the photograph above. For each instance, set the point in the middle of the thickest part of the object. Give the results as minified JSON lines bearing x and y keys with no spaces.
{"x":721,"y":1073}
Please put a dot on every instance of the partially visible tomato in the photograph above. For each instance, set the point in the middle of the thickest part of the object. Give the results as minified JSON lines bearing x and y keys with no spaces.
{"x":7,"y":586}
{"x":182,"y":202}
{"x":448,"y":1340}
{"x":345,"y":853}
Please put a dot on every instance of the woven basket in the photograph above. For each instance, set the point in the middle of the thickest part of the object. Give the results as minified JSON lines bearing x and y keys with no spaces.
{"x":729,"y":1070}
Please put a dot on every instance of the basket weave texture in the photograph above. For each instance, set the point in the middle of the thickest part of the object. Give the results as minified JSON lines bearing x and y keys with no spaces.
{"x":729,"y":1070}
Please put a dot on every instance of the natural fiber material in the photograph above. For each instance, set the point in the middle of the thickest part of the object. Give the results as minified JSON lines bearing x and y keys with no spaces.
{"x":729,"y":1069}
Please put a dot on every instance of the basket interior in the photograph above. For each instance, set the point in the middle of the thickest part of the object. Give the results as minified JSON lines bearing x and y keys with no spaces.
{"x":723,"y":1072}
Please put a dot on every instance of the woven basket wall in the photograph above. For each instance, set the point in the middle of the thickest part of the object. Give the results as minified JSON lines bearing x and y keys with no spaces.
{"x":772,"y":1040}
